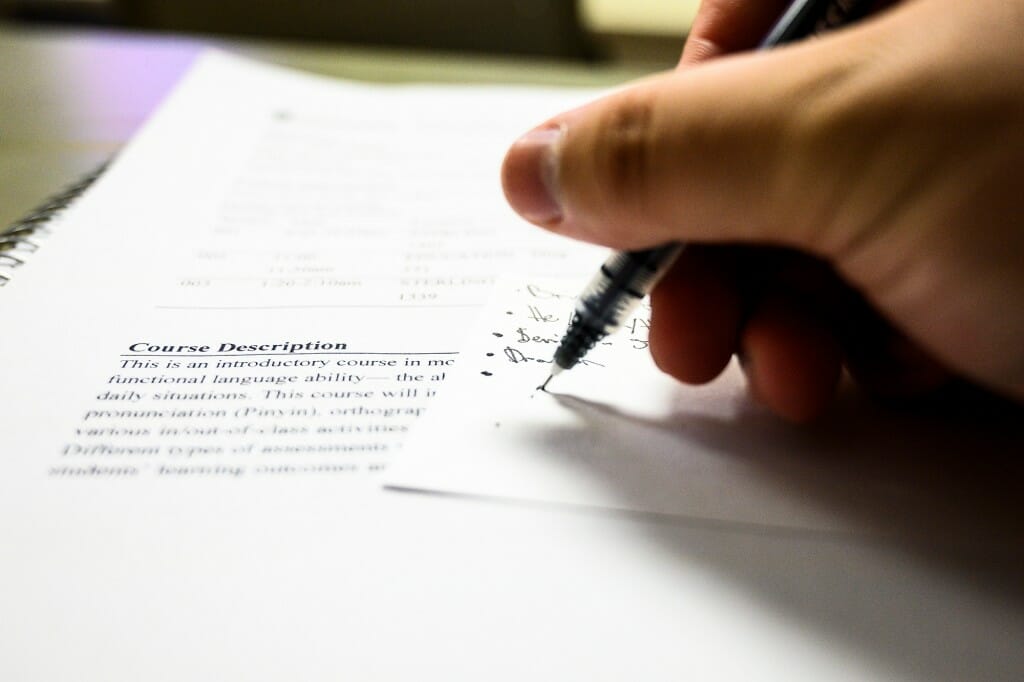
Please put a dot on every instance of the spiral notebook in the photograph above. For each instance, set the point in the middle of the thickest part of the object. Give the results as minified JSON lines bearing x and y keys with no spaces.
{"x":215,"y":356}
{"x":20,"y":240}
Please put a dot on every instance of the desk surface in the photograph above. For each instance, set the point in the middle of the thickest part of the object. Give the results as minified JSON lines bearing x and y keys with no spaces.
{"x":72,"y":98}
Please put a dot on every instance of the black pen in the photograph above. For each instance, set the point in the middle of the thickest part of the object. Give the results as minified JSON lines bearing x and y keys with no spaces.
{"x":628,"y":276}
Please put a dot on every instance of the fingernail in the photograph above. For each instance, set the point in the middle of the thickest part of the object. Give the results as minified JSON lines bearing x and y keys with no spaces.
{"x":747,"y":365}
{"x":530,"y":175}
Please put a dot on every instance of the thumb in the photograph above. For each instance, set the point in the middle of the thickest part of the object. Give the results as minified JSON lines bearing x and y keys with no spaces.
{"x":732,"y":150}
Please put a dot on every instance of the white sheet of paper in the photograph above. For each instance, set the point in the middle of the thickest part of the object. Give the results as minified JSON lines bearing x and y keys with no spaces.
{"x":366,"y":219}
{"x":300,"y":191}
{"x":617,"y":433}
{"x":166,"y":516}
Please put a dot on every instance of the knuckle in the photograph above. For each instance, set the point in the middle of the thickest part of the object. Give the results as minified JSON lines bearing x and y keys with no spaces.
{"x":626,"y":150}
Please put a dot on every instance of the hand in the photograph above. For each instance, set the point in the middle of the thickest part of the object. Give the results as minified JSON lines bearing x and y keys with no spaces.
{"x":877,"y":169}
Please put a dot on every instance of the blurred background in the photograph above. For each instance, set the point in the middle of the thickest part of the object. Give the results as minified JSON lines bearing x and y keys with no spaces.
{"x":647,"y":31}
{"x":79,"y":77}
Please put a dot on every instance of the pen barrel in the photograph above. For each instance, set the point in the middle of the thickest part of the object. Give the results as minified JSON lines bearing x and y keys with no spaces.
{"x":812,"y":17}
{"x":610,"y":297}
{"x":621,"y":283}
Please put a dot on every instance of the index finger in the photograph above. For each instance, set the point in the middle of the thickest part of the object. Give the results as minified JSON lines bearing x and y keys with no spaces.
{"x":724,"y":26}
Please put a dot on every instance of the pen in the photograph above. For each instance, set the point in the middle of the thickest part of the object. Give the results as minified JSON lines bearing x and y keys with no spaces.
{"x":628,"y":276}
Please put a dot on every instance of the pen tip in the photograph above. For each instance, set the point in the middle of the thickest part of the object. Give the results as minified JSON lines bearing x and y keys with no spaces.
{"x":556,"y":369}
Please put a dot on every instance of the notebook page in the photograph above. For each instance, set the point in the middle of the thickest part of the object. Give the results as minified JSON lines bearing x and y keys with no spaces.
{"x":359,"y":226}
{"x":293,"y":193}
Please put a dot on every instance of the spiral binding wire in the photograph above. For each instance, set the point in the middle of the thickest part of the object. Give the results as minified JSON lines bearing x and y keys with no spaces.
{"x":16,"y":238}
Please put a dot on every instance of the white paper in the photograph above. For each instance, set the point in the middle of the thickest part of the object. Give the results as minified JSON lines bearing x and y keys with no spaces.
{"x":295,"y":214}
{"x":297,"y":190}
{"x":228,"y":222}
{"x":617,"y":433}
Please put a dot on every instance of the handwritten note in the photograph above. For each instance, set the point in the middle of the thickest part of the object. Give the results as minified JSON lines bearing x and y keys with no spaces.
{"x":617,"y":433}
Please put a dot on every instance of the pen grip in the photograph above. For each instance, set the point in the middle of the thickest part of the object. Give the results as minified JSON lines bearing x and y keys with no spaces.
{"x":621,"y":283}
